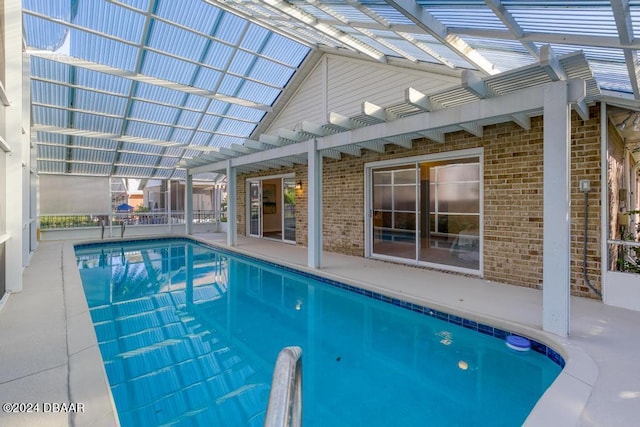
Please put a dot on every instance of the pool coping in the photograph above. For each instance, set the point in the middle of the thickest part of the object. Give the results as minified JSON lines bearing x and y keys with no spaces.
{"x":81,"y":336}
{"x":561,"y":404}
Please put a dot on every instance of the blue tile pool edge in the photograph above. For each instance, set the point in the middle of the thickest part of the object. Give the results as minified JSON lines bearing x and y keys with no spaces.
{"x":482,"y":328}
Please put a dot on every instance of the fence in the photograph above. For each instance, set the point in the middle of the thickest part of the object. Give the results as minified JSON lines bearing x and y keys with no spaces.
{"x":71,"y":221}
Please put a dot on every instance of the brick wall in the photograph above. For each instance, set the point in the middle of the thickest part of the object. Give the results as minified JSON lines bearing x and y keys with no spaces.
{"x":513,"y":211}
{"x":586,"y":164}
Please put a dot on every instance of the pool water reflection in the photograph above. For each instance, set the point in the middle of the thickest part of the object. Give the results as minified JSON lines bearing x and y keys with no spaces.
{"x":190,"y":335}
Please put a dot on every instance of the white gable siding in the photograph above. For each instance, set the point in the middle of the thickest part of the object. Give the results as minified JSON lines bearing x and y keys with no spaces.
{"x":343,"y":84}
{"x":306,"y":105}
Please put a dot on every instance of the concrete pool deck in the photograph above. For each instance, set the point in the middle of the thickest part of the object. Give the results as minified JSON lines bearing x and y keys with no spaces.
{"x":48,"y":349}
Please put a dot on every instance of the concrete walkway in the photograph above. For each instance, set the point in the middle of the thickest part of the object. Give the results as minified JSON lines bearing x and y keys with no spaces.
{"x":49,"y":353}
{"x":48,"y":349}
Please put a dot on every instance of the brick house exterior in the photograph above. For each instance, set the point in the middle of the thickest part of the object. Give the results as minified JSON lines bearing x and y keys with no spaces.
{"x":513,"y":199}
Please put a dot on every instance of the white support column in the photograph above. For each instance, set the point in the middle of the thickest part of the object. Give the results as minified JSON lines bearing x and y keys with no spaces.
{"x":11,"y":131}
{"x":314,"y":206}
{"x":556,"y":220}
{"x":217,"y":203}
{"x":189,"y":272}
{"x":188,"y":204}
{"x":168,"y":205}
{"x":232,"y":219}
{"x":29,"y":161}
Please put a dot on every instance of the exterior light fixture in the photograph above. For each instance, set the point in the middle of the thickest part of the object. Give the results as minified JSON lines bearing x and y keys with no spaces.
{"x":299,"y":185}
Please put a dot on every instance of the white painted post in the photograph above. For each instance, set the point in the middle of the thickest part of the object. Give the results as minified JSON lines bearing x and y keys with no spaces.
{"x":188,"y":204}
{"x":11,"y":131}
{"x":29,"y":160}
{"x":556,"y":218}
{"x":314,"y":205}
{"x":232,"y":220}
{"x":167,"y":198}
{"x":217,"y":203}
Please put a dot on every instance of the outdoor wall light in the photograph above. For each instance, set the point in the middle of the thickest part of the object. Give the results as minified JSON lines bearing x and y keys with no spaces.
{"x":299,"y":185}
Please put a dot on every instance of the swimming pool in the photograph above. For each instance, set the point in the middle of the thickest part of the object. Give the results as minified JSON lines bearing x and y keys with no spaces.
{"x":189,"y":335}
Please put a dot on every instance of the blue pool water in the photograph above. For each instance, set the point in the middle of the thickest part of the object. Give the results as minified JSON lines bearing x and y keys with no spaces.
{"x":189,"y":336}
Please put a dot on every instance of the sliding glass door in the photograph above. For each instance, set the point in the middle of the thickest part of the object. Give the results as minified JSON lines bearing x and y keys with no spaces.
{"x":394,"y":211}
{"x":271,"y":208}
{"x":453,"y":206}
{"x":289,"y":214}
{"x":255,"y":208}
{"x":427,"y":211}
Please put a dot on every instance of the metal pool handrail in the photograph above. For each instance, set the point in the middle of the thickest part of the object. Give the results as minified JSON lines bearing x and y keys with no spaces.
{"x":285,"y":398}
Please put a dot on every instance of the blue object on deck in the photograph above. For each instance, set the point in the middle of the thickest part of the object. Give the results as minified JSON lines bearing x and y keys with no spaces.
{"x":518,"y":343}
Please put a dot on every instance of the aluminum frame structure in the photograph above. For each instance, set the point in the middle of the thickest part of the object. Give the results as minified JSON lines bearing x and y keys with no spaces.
{"x":149,"y":88}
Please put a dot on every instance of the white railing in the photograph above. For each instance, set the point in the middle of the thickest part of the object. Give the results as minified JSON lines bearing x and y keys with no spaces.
{"x":70,"y":221}
{"x":285,"y":398}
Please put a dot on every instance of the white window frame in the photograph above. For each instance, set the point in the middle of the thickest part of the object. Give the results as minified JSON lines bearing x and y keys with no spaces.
{"x":368,"y":206}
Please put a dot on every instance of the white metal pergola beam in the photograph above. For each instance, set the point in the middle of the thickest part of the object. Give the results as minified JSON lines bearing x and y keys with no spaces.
{"x":473,"y":128}
{"x":249,"y":15}
{"x":525,"y":101}
{"x":115,"y":116}
{"x":110,"y":150}
{"x":332,"y":153}
{"x":417,"y":99}
{"x":352,"y":150}
{"x":622,"y":16}
{"x":342,"y":122}
{"x":430,"y":24}
{"x":425,"y":48}
{"x":550,"y":38}
{"x":527,"y":37}
{"x":144,"y":47}
{"x":156,"y":18}
{"x":135,"y":98}
{"x":136,"y":120}
{"x":103,"y":135}
{"x":290,"y":135}
{"x":401,"y":141}
{"x":76,"y":62}
{"x":522,"y":120}
{"x":509,"y":21}
{"x":551,"y":64}
{"x":375,"y":146}
{"x":374,"y":112}
{"x":434,"y":135}
{"x":330,"y":31}
{"x":96,"y":163}
{"x":272,"y":140}
{"x":474,"y":84}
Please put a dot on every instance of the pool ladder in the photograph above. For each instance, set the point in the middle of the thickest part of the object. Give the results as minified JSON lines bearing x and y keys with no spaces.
{"x":285,"y":398}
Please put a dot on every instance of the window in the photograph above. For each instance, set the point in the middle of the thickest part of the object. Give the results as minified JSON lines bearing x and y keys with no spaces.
{"x":394,"y":211}
{"x":427,"y":210}
{"x":453,"y":237}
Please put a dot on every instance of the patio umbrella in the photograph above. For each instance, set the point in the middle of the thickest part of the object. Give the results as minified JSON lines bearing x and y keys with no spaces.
{"x":124,"y":207}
